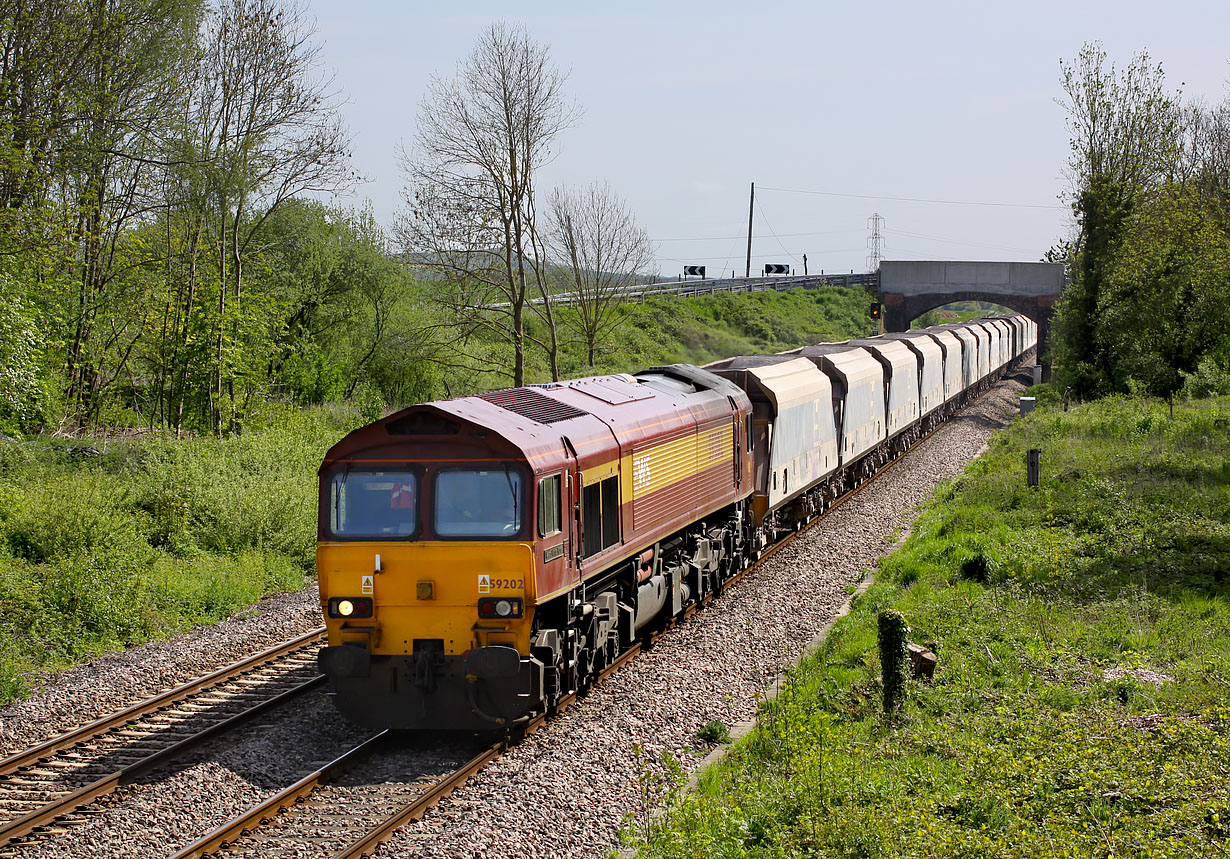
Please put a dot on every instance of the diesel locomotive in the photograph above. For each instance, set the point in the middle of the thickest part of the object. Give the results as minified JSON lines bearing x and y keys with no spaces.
{"x":483,"y":556}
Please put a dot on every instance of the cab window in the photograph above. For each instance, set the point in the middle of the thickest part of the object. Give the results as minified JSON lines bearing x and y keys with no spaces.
{"x":373,"y":504}
{"x":549,"y":521}
{"x":477,"y":503}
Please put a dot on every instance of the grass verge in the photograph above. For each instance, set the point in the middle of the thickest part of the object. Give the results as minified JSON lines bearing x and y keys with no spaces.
{"x":135,"y":539}
{"x":1080,"y":705}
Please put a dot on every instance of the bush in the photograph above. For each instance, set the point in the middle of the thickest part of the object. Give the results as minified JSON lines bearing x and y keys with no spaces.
{"x":1212,"y":378}
{"x":68,"y":514}
{"x":144,"y":538}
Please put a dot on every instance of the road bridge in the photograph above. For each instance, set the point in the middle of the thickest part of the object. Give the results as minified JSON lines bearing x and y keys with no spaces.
{"x":910,"y":288}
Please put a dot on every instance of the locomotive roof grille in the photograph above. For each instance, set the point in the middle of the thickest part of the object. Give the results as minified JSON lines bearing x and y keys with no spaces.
{"x":530,"y":404}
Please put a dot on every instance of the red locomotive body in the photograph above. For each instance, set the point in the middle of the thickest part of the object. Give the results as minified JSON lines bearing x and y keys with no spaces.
{"x":481,"y":557}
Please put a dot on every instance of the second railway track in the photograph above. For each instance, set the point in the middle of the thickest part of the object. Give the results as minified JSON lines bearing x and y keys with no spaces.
{"x":47,"y":783}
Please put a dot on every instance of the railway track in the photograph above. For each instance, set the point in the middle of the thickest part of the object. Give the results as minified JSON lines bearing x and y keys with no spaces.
{"x":315,"y":808}
{"x":52,"y":783}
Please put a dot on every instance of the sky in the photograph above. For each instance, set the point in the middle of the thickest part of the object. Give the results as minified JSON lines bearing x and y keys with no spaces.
{"x":940,"y":117}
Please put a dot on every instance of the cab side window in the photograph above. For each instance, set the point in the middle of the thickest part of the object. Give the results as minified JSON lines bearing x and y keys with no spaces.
{"x":549,"y":521}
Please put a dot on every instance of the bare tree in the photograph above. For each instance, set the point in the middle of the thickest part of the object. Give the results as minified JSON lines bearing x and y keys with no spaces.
{"x":1210,"y":156}
{"x":595,"y":236}
{"x":482,"y":136}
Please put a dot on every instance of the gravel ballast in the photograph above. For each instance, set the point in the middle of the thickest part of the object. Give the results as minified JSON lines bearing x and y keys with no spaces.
{"x":566,"y":790}
{"x":108,"y":684}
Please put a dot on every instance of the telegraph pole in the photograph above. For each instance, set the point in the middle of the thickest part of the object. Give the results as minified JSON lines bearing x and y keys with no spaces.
{"x":751,"y":207}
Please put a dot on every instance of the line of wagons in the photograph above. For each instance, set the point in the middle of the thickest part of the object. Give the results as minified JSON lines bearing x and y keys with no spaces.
{"x":481,"y":557}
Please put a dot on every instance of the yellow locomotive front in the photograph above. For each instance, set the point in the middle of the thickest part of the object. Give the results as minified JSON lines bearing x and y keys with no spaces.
{"x":427,"y":581}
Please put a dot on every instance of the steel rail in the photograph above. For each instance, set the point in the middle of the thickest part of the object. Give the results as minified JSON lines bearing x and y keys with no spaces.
{"x":428,"y":799}
{"x":264,"y":811}
{"x":86,"y":794}
{"x":415,"y":809}
{"x":142,"y":708}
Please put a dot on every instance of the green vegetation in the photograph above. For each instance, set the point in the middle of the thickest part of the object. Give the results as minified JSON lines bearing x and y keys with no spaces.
{"x":152,"y":533}
{"x":700,"y":330}
{"x":956,"y":311}
{"x":1148,"y":308}
{"x":714,"y":732}
{"x":134,"y":539}
{"x":1053,"y":612}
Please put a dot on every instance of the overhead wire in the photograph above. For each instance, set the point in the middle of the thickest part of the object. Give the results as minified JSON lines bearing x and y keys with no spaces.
{"x":770,"y":226}
{"x":744,"y":236}
{"x":917,"y":199}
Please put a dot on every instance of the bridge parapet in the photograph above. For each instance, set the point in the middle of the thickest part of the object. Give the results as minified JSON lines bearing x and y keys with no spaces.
{"x":910,"y":277}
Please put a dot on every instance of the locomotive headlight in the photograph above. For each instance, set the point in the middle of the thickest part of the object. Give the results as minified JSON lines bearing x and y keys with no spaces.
{"x":501,"y":607}
{"x":350,"y":607}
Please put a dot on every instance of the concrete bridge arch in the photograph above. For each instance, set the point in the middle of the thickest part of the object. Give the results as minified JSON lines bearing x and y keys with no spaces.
{"x":909,"y":289}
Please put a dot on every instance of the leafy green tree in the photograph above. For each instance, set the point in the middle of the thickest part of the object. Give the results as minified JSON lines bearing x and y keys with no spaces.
{"x":353,"y":314}
{"x":1165,"y":303}
{"x":136,"y":53}
{"x":84,"y":92}
{"x":264,"y":127}
{"x":1125,"y":138}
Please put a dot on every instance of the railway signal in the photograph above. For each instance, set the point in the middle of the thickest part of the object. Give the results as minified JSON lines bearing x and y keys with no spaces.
{"x":693,"y":271}
{"x":776,"y":268}
{"x":875,"y":310}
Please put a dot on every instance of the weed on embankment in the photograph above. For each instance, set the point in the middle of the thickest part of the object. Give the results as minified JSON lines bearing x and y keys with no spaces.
{"x":1080,"y":703}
